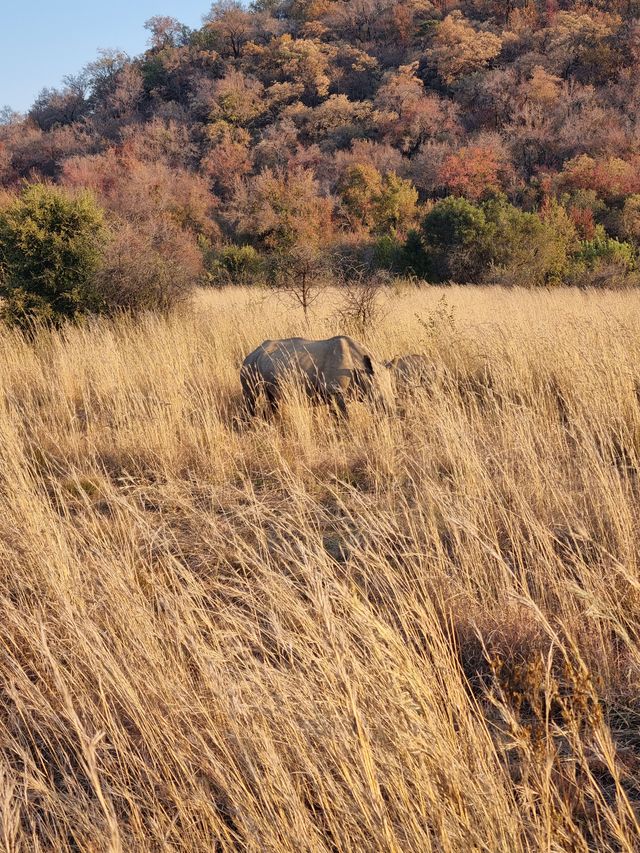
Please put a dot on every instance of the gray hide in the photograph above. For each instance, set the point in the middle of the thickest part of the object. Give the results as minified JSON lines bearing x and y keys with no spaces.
{"x":333,"y":371}
{"x":412,"y":371}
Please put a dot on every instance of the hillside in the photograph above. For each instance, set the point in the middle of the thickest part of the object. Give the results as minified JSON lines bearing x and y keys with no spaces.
{"x":337,"y":126}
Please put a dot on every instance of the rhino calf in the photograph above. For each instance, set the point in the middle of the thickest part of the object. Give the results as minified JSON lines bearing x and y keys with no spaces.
{"x":332,"y":371}
{"x":412,"y":371}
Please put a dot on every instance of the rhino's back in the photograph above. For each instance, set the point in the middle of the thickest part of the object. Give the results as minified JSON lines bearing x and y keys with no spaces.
{"x":328,"y":360}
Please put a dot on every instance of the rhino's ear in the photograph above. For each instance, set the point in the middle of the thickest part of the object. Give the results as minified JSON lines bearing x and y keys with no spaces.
{"x":368,"y":365}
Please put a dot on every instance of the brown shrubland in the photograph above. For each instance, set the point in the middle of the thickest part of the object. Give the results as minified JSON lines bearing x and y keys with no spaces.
{"x":417,"y":633}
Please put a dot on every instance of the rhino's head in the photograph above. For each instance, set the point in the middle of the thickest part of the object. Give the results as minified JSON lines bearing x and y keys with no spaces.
{"x":378,"y":384}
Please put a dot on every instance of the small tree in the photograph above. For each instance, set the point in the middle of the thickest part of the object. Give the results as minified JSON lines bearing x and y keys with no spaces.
{"x":51,"y":245}
{"x":384,"y":204}
{"x":474,"y":171}
{"x":300,"y":270}
{"x":165,"y":31}
{"x":630,"y":218}
{"x":359,"y":188}
{"x":231,"y":24}
{"x":458,"y":49}
{"x":292,"y":222}
{"x":396,"y":205}
{"x":361,"y":292}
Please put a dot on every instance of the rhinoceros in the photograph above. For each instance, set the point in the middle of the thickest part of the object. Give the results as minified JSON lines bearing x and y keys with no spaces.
{"x":333,"y":371}
{"x":412,"y":371}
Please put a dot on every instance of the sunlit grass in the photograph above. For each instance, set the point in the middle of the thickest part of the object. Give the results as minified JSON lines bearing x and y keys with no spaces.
{"x":418,"y":633}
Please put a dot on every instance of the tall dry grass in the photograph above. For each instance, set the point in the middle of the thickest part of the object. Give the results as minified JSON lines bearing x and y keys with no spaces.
{"x":407,"y":635}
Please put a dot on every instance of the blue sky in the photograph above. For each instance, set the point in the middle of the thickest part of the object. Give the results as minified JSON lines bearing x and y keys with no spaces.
{"x":42,"y":40}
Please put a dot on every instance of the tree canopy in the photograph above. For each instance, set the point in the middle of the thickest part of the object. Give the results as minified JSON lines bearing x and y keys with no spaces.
{"x":361,"y":114}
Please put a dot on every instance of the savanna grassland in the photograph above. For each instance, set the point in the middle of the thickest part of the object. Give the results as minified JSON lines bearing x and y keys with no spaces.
{"x":406,"y":634}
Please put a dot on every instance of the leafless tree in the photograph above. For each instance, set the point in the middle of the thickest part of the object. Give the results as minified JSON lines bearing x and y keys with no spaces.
{"x":361,"y":292}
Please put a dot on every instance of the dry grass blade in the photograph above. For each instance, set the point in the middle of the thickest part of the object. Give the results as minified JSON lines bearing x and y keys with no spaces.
{"x":418,"y":633}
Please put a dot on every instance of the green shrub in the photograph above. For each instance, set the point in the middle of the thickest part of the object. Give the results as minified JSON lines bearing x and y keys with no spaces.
{"x":51,"y":245}
{"x":412,"y":260}
{"x":528,"y":249}
{"x":233,"y":264}
{"x":604,"y":262}
{"x":492,"y":241}
{"x":456,"y":240}
{"x":605,"y":249}
{"x":387,"y":254}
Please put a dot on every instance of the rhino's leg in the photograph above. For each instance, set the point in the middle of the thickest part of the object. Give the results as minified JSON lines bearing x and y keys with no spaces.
{"x":259,"y":395}
{"x":381,"y":406}
{"x":339,"y":407}
{"x":272,"y":398}
{"x":248,"y":381}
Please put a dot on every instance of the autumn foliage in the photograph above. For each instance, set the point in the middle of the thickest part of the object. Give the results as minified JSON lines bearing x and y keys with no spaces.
{"x":328,"y":123}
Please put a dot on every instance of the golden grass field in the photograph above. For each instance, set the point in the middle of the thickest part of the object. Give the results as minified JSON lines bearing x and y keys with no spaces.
{"x":415,"y":634}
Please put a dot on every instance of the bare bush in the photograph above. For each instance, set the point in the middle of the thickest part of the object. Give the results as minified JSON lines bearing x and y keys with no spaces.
{"x":607,"y":274}
{"x":300,"y":272}
{"x":361,"y":291}
{"x":149,"y":268}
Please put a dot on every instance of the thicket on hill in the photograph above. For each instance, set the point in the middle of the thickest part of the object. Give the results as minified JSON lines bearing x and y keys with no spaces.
{"x":375,"y":110}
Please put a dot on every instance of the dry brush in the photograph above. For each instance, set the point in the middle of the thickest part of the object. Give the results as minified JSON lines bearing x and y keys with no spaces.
{"x":418,"y":633}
